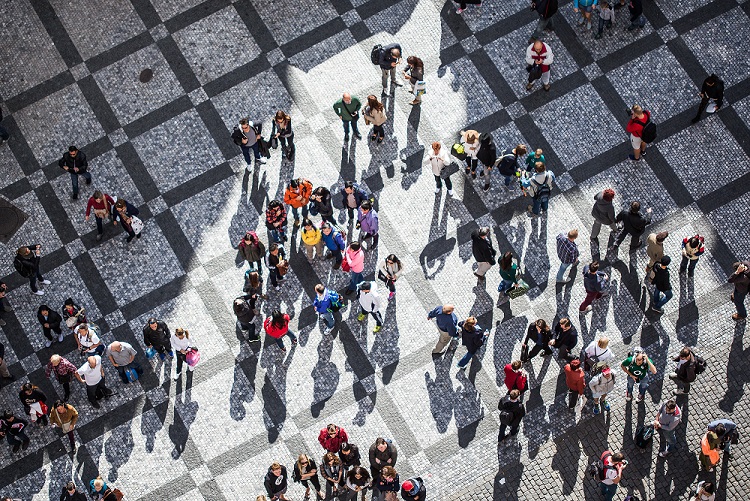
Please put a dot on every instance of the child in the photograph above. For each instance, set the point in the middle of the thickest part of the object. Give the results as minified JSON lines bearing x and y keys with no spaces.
{"x":533,"y":158}
{"x":606,"y":16}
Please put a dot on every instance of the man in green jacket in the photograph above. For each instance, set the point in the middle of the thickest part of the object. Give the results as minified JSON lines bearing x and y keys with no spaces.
{"x":347,"y":108}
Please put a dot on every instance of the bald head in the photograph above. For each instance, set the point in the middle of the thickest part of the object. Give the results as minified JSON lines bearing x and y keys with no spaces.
{"x":116,"y":346}
{"x":92,"y":362}
{"x":347,"y":97}
{"x":538,"y":46}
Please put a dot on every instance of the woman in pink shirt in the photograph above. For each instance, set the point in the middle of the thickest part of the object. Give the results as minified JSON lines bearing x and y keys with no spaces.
{"x":355,"y":258}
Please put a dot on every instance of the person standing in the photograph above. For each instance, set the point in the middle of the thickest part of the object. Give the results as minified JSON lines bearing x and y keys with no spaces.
{"x":349,"y":456}
{"x":539,"y":57}
{"x":93,"y":372}
{"x":447,"y":324}
{"x":637,"y":366}
{"x":439,"y":159}
{"x":125,"y":212}
{"x":34,"y":403}
{"x":156,"y":335}
{"x":276,"y":221}
{"x":614,"y":464}
{"x":306,"y":472}
{"x":546,"y":9}
{"x":181,"y":344}
{"x":355,"y":259}
{"x":541,"y":334}
{"x":685,"y":372}
{"x":244,"y":310}
{"x":246,"y":136}
{"x":370,"y":303}
{"x":586,"y":7}
{"x":483,"y":251}
{"x":565,"y":338}
{"x":64,"y":372}
{"x":65,"y":416}
{"x":252,"y":250}
{"x":358,"y":481}
{"x":312,"y":239}
{"x":606,"y":18}
{"x":323,"y":304}
{"x":692,"y":249}
{"x":567,"y":251}
{"x":390,"y":57}
{"x":277,"y":326}
{"x":595,"y":282}
{"x":332,"y":473}
{"x":4,"y":304}
{"x":654,"y":251}
{"x":662,"y":284}
{"x":712,"y":96}
{"x":368,"y":223}
{"x":88,"y":340}
{"x":596,"y":354}
{"x":70,"y":493}
{"x":414,"y":73}
{"x":352,"y":196}
{"x":575,"y":381}
{"x":413,"y":489}
{"x":334,"y":242}
{"x":603,"y":212}
{"x":601,"y":385}
{"x":386,"y":487}
{"x":382,"y":453}
{"x":102,"y":205}
{"x":471,"y":144}
{"x":281,"y":130}
{"x":26,"y":263}
{"x":512,"y":412}
{"x":638,"y":120}
{"x":634,"y":224}
{"x":667,"y":420}
{"x":473,"y":337}
{"x":276,"y":261}
{"x":4,"y":372}
{"x":516,"y":378}
{"x":71,"y":310}
{"x":389,"y":272}
{"x":540,"y":189}
{"x":332,"y":437}
{"x":50,"y":321}
{"x":12,"y":428}
{"x":375,"y":115}
{"x":726,"y":430}
{"x":741,"y":281}
{"x":347,"y":108}
{"x":320,"y":203}
{"x":296,"y":196}
{"x":74,"y":162}
{"x":636,"y":15}
{"x":276,"y":482}
{"x":122,"y":356}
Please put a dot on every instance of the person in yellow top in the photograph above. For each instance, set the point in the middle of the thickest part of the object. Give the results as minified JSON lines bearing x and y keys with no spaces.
{"x":312,"y":239}
{"x":65,"y":416}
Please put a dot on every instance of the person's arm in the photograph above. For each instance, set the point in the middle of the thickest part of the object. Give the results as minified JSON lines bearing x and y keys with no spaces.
{"x":61,"y":163}
{"x":619,"y":469}
{"x":112,"y":360}
{"x":651,"y":366}
{"x":74,"y":417}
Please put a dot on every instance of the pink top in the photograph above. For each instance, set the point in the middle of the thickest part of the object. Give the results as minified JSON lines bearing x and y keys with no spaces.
{"x":356,"y":259}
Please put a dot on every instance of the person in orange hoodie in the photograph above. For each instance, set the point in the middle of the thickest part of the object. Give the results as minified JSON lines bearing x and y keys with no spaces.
{"x":297,"y":195}
{"x":574,"y":379}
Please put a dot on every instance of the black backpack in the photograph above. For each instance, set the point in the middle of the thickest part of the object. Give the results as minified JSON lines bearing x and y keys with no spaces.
{"x":597,"y":468}
{"x":643,"y":436}
{"x":543,"y":191}
{"x":375,"y":54}
{"x":20,"y":268}
{"x":648,"y":134}
{"x":700,"y":365}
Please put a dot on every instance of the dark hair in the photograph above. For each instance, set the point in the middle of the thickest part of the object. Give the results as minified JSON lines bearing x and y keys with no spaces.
{"x":307,"y":222}
{"x":355,"y":246}
{"x":380,"y":441}
{"x":618,"y":457}
{"x":244,"y":121}
{"x":670,"y":405}
{"x":712,"y":79}
{"x":27,"y":387}
{"x":320,"y":288}
{"x":365,"y":286}
{"x":273,"y":204}
{"x":565,"y":321}
{"x":366,"y":205}
{"x":594,"y":266}
{"x":414,"y":61}
{"x":373,"y":103}
{"x":635,"y":207}
{"x":358,"y":470}
{"x":252,"y":236}
{"x":254,"y":278}
{"x":349,"y":184}
{"x":506,"y":262}
{"x":694,"y":242}
{"x":121,"y":204}
{"x":392,"y":257}
{"x":277,"y":319}
{"x":273,"y":246}
{"x":541,"y":324}
{"x":281,"y":115}
{"x":720,"y":429}
{"x":294,"y":183}
{"x":346,"y":446}
{"x":72,"y":148}
{"x":708,"y":487}
{"x":685,"y":352}
{"x":59,"y":403}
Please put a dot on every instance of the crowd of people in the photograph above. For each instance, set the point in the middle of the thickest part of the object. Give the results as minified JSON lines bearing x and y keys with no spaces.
{"x":590,"y":372}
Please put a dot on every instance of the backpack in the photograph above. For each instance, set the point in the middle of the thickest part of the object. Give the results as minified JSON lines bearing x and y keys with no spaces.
{"x":543,"y":191}
{"x":700,"y":365}
{"x":648,"y":134}
{"x":598,"y":468}
{"x":500,"y":162}
{"x":644,"y":435}
{"x":505,"y":417}
{"x":20,"y":268}
{"x":375,"y":54}
{"x":336,"y":303}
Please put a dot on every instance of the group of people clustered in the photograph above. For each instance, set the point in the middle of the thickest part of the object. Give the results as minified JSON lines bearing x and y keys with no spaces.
{"x":340,"y":466}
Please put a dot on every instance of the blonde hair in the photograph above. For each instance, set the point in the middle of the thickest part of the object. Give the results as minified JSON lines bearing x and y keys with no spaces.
{"x":275,"y":466}
{"x":300,"y":458}
{"x":470,"y":322}
{"x":261,"y":498}
{"x":637,"y":109}
{"x":603,"y":342}
{"x":388,"y":471}
{"x":55,"y":359}
{"x":180,"y":330}
{"x":98,"y":483}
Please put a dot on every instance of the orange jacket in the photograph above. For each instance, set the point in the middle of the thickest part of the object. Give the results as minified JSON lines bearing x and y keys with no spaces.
{"x":711,"y":453}
{"x":304,"y":190}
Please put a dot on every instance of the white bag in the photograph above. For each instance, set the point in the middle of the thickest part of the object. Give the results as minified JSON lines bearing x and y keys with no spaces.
{"x":420,"y":88}
{"x":136,"y":224}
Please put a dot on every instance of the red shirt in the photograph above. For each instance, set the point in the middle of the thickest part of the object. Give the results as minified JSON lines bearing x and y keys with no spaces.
{"x":276,"y":332}
{"x":99,"y":205}
{"x":574,"y":379}
{"x":636,"y":128}
{"x":332,"y":443}
{"x":514,"y":380}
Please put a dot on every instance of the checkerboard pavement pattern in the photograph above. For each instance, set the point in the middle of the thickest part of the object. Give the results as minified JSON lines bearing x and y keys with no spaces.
{"x":164,"y":145}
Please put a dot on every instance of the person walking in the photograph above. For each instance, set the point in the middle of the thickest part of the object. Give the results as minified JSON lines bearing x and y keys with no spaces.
{"x":181,"y":344}
{"x":246,"y":136}
{"x":102,"y":205}
{"x":567,"y":251}
{"x":332,"y":437}
{"x":389,"y":272}
{"x":312,"y":239}
{"x":244,"y":310}
{"x":596,"y":355}
{"x":354,"y":257}
{"x":471,"y":144}
{"x":382,"y":453}
{"x":413,"y":489}
{"x":636,"y":15}
{"x":88,"y":340}
{"x":601,"y":385}
{"x":614,"y":464}
{"x":34,"y":403}
{"x":662,"y":284}
{"x":252,"y":250}
{"x":439,"y":158}
{"x":127,"y":214}
{"x":654,"y":251}
{"x":516,"y":378}
{"x":375,"y":115}
{"x":603,"y":212}
{"x":306,"y":472}
{"x":347,"y":108}
{"x":389,"y":58}
{"x":692,"y":249}
{"x":26,"y":264}
{"x":507,"y":163}
{"x":297,"y":196}
{"x":122,"y":356}
{"x":483,"y":251}
{"x":686,"y":371}
{"x":565,"y":338}
{"x":540,"y":333}
{"x":575,"y":380}
{"x":334,"y":242}
{"x":50,"y":321}
{"x":352,"y":196}
{"x":320,"y":203}
{"x":447,"y":325}
{"x":637,"y":366}
{"x":546,"y":9}
{"x":276,"y":221}
{"x":585,"y":7}
{"x":667,"y":420}
{"x":638,"y":120}
{"x":539,"y":58}
{"x":93,"y":377}
{"x":156,"y":335}
{"x":277,"y":326}
{"x":276,"y":262}
{"x":540,"y":189}
{"x":368,"y":223}
{"x":595,"y":283}
{"x":276,"y":482}
{"x":370,"y":303}
{"x":65,"y":416}
{"x":741,"y":281}
{"x":634,"y":224}
{"x":13,"y":429}
{"x":512,"y":412}
{"x":74,"y":162}
{"x":281,"y":130}
{"x":63,"y":370}
{"x":712,"y":96}
{"x":414,"y":73}
{"x":473,"y":337}
{"x":323,"y":303}
{"x":709,"y":455}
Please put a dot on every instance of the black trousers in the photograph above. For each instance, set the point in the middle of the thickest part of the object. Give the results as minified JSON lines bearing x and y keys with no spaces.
{"x":312,"y":480}
{"x":537,"y":348}
{"x":48,"y":331}
{"x":96,"y":391}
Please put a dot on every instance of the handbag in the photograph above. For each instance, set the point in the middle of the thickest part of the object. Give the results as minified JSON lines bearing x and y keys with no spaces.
{"x":524,"y":353}
{"x":535,"y":72}
{"x":193,"y":356}
{"x":420,"y":88}
{"x":136,"y":225}
{"x":519,"y":290}
{"x":274,"y":142}
{"x":150,"y":352}
{"x":283,"y":267}
{"x":345,"y":266}
{"x":113,"y":495}
{"x":71,"y":322}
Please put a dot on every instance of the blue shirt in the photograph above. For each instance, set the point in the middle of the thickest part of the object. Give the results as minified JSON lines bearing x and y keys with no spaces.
{"x":445,"y":322}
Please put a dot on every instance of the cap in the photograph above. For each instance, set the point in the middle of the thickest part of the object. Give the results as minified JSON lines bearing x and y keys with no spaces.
{"x":408,"y":485}
{"x":661,"y":236}
{"x":606,"y":370}
{"x":666,"y":260}
{"x":575,"y":364}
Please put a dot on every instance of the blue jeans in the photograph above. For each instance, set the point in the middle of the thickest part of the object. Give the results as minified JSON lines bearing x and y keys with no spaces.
{"x":608,"y":491}
{"x":328,"y":318}
{"x":561,"y":271}
{"x":296,"y":211}
{"x":739,"y":303}
{"x":661,"y":301}
{"x":4,"y":133}
{"x":353,"y":124}
{"x":280,"y":341}
{"x":504,"y":286}
{"x":74,"y":179}
{"x":278,"y":234}
{"x":465,"y":359}
{"x":246,"y":152}
{"x":508,"y":180}
{"x":670,"y":436}
{"x":356,"y":277}
{"x":539,"y":205}
{"x":642,"y":385}
{"x":602,"y":23}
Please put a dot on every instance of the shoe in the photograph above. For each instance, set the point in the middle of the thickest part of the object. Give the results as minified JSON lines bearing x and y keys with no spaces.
{"x":588,"y":25}
{"x":737,"y":318}
{"x":529,"y":86}
{"x":138,"y":235}
{"x":690,"y":273}
{"x":581,"y":21}
{"x":450,"y":193}
{"x":296,"y":223}
{"x":88,"y":181}
{"x":25,"y":445}
{"x":606,"y":406}
{"x":657,"y":310}
{"x":48,"y":344}
{"x":474,"y":175}
{"x":2,"y":322}
{"x":640,"y":398}
{"x":396,"y":82}
{"x":459,"y":10}
{"x":191,"y":368}
{"x":373,"y":137}
{"x":597,"y":36}
{"x":162,"y":356}
{"x":437,"y":190}
{"x":480,"y":277}
{"x":261,"y":160}
{"x":632,"y":157}
{"x":628,"y":397}
{"x":16,"y":448}
{"x":357,"y":135}
{"x":564,"y":281}
{"x":680,"y":391}
{"x":391,"y":295}
{"x":177,"y":376}
{"x":385,"y":91}
{"x":294,"y":342}
{"x":38,"y":293}
{"x":380,"y":140}
{"x":346,"y":137}
{"x":588,"y":309}
{"x":60,"y":338}
{"x":249,"y":167}
{"x":486,"y":187}
{"x":546,"y":87}
{"x":98,"y":237}
{"x":361,"y":317}
{"x":7,"y":307}
{"x":664,"y":453}
{"x":170,"y":354}
{"x":377,"y":329}
{"x":128,"y":239}
{"x":596,"y":409}
{"x":74,"y":196}
{"x":695,"y":120}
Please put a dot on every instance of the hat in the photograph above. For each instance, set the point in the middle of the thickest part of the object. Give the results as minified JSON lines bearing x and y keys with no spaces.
{"x":606,"y":371}
{"x":661,"y":236}
{"x":575,"y":364}
{"x":666,"y":260}
{"x":409,"y":486}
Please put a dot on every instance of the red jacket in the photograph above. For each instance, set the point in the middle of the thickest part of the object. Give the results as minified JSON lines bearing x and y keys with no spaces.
{"x":332,"y":444}
{"x":574,"y":379}
{"x":514,"y":380}
{"x":109,"y":201}
{"x":274,"y":331}
{"x":636,"y":128}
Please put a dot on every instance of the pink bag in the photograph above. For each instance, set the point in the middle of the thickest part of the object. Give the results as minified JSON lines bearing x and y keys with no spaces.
{"x":192,"y":357}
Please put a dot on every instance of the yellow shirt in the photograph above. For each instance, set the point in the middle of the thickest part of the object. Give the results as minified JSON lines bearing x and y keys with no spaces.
{"x":311,"y":237}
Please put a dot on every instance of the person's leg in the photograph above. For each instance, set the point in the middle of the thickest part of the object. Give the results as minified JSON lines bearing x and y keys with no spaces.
{"x":561,"y":271}
{"x":384,"y":79}
{"x":635,"y":143}
{"x":354,"y":279}
{"x":643,"y":386}
{"x":600,"y":28}
{"x":292,"y":336}
{"x":609,"y":491}
{"x":32,"y":282}
{"x":442,"y":342}
{"x":572,"y":398}
{"x":345,"y":124}
{"x":701,"y":109}
{"x":256,"y":150}
{"x":667,"y":296}
{"x":337,"y":258}
{"x":587,"y":301}
{"x":121,"y":372}
{"x":595,"y":229}
{"x":540,"y":27}
{"x":355,"y":129}
{"x":635,"y":242}
{"x":501,"y":432}
{"x":4,"y":134}
{"x":74,"y":181}
{"x":438,"y":183}
{"x":394,"y":80}
{"x":683,"y":264}
{"x":691,"y":267}
{"x":739,"y":303}
{"x":465,"y":359}
{"x":99,"y":223}
{"x":246,"y":154}
{"x":87,"y":176}
{"x":378,"y":318}
{"x":545,"y":79}
{"x":72,"y":439}
{"x":535,"y":350}
{"x":91,"y":394}
{"x":47,"y":332}
{"x":630,"y":385}
{"x":483,"y":267}
{"x":180,"y":361}
{"x":620,"y":238}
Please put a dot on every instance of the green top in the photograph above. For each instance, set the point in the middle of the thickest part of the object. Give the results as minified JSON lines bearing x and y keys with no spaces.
{"x":345,"y":110}
{"x":639,"y":371}
{"x":510,"y":274}
{"x":531,"y":161}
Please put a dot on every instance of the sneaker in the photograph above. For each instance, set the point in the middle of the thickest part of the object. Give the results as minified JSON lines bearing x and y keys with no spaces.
{"x":377,"y":328}
{"x":450,"y":193}
{"x":480,"y":277}
{"x":581,"y":21}
{"x":547,"y":87}
{"x":564,"y":281}
{"x":177,"y":376}
{"x":437,"y":190}
{"x":162,"y":356}
{"x":2,"y":322}
{"x":596,"y":409}
{"x":640,"y":398}
{"x":296,"y":223}
{"x":606,"y":406}
{"x":25,"y":445}
{"x":170,"y":354}
{"x":588,"y":25}
{"x":664,"y":453}
{"x":261,"y":160}
{"x":98,"y":237}
{"x":16,"y":447}
{"x":474,"y":175}
{"x":679,"y":391}
{"x":74,"y":196}
{"x":632,"y":157}
{"x":529,"y":86}
{"x":459,"y":10}
{"x":628,"y":397}
{"x":38,"y":293}
{"x":48,"y":344}
{"x":60,"y":338}
{"x":88,"y":181}
{"x":486,"y":187}
{"x":249,"y":167}
{"x":361,"y":317}
{"x":597,"y":36}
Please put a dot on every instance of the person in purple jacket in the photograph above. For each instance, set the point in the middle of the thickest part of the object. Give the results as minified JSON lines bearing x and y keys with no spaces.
{"x":367,"y":223}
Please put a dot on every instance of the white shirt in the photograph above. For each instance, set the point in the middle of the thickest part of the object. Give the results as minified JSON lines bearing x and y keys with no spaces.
{"x":180,"y":344}
{"x":594,"y":350}
{"x":92,"y":375}
{"x":437,"y":162}
{"x":87,"y":341}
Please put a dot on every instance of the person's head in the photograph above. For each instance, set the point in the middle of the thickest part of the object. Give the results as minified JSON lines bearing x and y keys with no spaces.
{"x":448,"y":309}
{"x":27,"y":388}
{"x":635,"y":207}
{"x":98,"y":483}
{"x":261,"y":497}
{"x":73,"y":151}
{"x":609,"y":195}
{"x":347,"y":98}
{"x":320,"y":289}
{"x":514,"y":394}
{"x":388,"y":473}
{"x":281,"y":117}
{"x":565,"y":323}
{"x":685,"y":353}
{"x":373,"y":102}
{"x":506,"y":261}
{"x":381,"y":444}
{"x":472,"y":136}
{"x":607,"y":372}
{"x":115,"y":346}
{"x":594,"y":267}
{"x":98,"y":196}
{"x":396,"y":52}
{"x":410,"y":486}
{"x":366,"y":206}
{"x":92,"y":361}
{"x":365,"y":286}
{"x":665,"y":261}
{"x":274,"y":205}
{"x":520,"y":150}
{"x":120,"y":205}
{"x":711,"y":80}
{"x":392,"y":260}
{"x":538,"y":153}
{"x":70,"y":487}
{"x":83,"y":330}
{"x":302,"y":461}
{"x":538,"y":46}
{"x":414,"y":62}
{"x":294,"y":183}
{"x":308,"y":224}
{"x":245,"y":125}
{"x":181,"y":333}
{"x":575,"y":364}
{"x":670,"y":407}
{"x":273,"y":248}
{"x":250,"y":238}
{"x":469,"y":323}
{"x":60,"y":407}
{"x":355,"y":246}
{"x":694,"y":242}
{"x":436,"y":147}
{"x":331,"y":459}
{"x":277,"y":318}
{"x":636,"y":110}
{"x":8,"y":416}
{"x":276,"y":469}
{"x":720,"y":429}
{"x":346,"y":448}
{"x":573,"y":234}
{"x":541,"y":324}
{"x":604,"y":4}
{"x":153,"y":324}
{"x":603,"y":342}
{"x":661,"y":236}
{"x":349,"y":187}
{"x":539,"y":167}
{"x":640,"y":358}
{"x":708,"y":488}
{"x":55,"y":360}
{"x":69,"y":304}
{"x":358,"y":472}
{"x":326,"y":229}
{"x":516,"y":365}
{"x":483,"y":232}
{"x":618,"y":457}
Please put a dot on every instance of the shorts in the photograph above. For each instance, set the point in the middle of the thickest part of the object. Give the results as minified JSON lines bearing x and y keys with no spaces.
{"x":597,"y":395}
{"x":586,"y":8}
{"x":635,"y":142}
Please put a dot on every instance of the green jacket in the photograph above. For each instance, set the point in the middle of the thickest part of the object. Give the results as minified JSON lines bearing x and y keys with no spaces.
{"x":345,"y":110}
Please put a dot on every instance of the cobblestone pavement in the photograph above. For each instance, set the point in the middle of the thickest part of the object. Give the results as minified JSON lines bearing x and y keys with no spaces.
{"x":69,"y":75}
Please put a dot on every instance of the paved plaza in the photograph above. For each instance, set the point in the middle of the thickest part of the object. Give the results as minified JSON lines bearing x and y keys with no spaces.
{"x":69,"y":74}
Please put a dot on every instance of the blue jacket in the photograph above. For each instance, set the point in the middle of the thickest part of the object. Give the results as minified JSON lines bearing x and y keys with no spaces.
{"x":446,"y":323}
{"x":360,"y":195}
{"x":584,"y":3}
{"x":94,"y":492}
{"x":593,"y":283}
{"x":334,"y":241}
{"x":323,"y":305}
